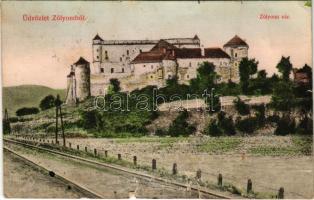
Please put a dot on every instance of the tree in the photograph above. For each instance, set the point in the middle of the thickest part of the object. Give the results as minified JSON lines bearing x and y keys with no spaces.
{"x":247,"y":68}
{"x":284,"y":67}
{"x":115,"y":83}
{"x":206,"y":78}
{"x":283,"y":98}
{"x":213,"y":129}
{"x":47,"y":102}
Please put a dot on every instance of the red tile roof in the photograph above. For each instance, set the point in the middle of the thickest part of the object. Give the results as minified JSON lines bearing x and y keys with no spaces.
{"x":149,"y":57}
{"x":215,"y":53}
{"x":188,"y":53}
{"x":236,"y":41}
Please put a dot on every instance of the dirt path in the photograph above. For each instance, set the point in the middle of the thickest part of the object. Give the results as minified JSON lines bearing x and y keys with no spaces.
{"x":109,"y":183}
{"x":21,"y":180}
{"x":294,"y":173}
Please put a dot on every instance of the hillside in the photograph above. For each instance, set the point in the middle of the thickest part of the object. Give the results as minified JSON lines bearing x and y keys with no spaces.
{"x":26,"y":96}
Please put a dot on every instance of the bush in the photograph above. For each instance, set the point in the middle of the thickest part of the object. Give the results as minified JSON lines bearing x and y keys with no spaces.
{"x":248,"y":125}
{"x":180,"y":126}
{"x":226,"y":124}
{"x":285,"y":126}
{"x":13,"y":119}
{"x":27,"y":111}
{"x":160,"y":132}
{"x":91,"y":120}
{"x":47,"y":102}
{"x":305,"y":126}
{"x":241,"y":107}
{"x":260,"y":114}
{"x":213,"y":129}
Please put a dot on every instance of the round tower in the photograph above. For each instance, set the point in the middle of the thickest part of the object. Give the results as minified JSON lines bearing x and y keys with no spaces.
{"x":97,"y":54}
{"x":82,"y":76}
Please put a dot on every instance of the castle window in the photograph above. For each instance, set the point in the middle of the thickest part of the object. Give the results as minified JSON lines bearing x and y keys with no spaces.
{"x":102,"y":70}
{"x":112,"y":70}
{"x":187,"y":76}
{"x":120,"y":59}
{"x":144,"y":65}
{"x":140,"y":50}
{"x":106,"y":55}
{"x":127,"y":52}
{"x":122,"y":70}
{"x":97,"y":50}
{"x":235,"y":55}
{"x":190,"y":64}
{"x":152,"y":67}
{"x":97,"y":57}
{"x":151,"y":77}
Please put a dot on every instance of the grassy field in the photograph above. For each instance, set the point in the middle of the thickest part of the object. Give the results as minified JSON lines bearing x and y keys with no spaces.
{"x":26,"y":96}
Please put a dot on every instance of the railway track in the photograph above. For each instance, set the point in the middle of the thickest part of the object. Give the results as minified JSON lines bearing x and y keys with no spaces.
{"x":114,"y":167}
{"x":71,"y":184}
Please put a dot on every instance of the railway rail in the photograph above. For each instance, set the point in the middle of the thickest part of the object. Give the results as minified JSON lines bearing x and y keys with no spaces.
{"x":114,"y":167}
{"x":87,"y":192}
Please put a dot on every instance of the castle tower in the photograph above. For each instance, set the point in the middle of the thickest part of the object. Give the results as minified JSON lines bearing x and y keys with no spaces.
{"x":71,"y":97}
{"x":237,"y":49}
{"x":82,"y":78}
{"x":97,"y":54}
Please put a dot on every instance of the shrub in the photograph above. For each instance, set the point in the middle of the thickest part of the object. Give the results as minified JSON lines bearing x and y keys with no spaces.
{"x":91,"y":120}
{"x":285,"y":125}
{"x":47,"y":102}
{"x":241,"y":107}
{"x":226,"y":124}
{"x":248,"y":125}
{"x":273,"y":118}
{"x":213,"y":129}
{"x":260,"y":114}
{"x":180,"y":126}
{"x":305,"y":126}
{"x":160,"y":132}
{"x":13,"y":119}
{"x":27,"y":111}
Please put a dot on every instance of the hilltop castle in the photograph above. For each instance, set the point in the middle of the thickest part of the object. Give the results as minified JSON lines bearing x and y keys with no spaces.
{"x":138,"y":63}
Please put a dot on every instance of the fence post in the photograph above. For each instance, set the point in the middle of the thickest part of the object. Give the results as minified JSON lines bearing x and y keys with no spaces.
{"x":220,"y":180}
{"x":249,"y":186}
{"x":78,"y":147}
{"x":199,"y":174}
{"x":106,"y":153}
{"x":119,"y":156}
{"x":281,"y":193}
{"x":134,"y":160}
{"x":85,"y":149}
{"x":154,"y":164}
{"x":95,"y":152}
{"x":174,"y":169}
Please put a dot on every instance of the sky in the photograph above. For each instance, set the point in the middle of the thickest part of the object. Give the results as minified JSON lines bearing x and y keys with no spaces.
{"x":41,"y":52}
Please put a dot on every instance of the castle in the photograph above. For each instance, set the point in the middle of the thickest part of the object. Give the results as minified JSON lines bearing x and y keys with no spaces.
{"x":138,"y":63}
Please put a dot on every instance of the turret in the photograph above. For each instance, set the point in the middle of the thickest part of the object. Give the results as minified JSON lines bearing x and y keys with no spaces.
{"x":82,"y":77}
{"x":97,"y":54}
{"x":236,"y":48}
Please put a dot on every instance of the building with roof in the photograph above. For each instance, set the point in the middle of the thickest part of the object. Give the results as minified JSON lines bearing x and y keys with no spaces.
{"x":138,"y":63}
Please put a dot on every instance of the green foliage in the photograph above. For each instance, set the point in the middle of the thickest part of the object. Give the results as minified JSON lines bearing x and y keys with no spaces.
{"x":27,"y":111}
{"x":285,"y":125}
{"x":161,"y":132}
{"x":224,"y":126}
{"x":206,"y":78}
{"x":228,"y":89}
{"x":47,"y":102}
{"x":241,"y":107}
{"x":180,"y":127}
{"x":213,"y":129}
{"x":247,"y":67}
{"x":247,"y":125}
{"x":26,"y":96}
{"x":260,"y":85}
{"x":115,"y":83}
{"x":91,"y":120}
{"x":260,"y":114}
{"x":284,"y":67}
{"x":305,"y":127}
{"x":283,"y":98}
{"x":220,"y":144}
